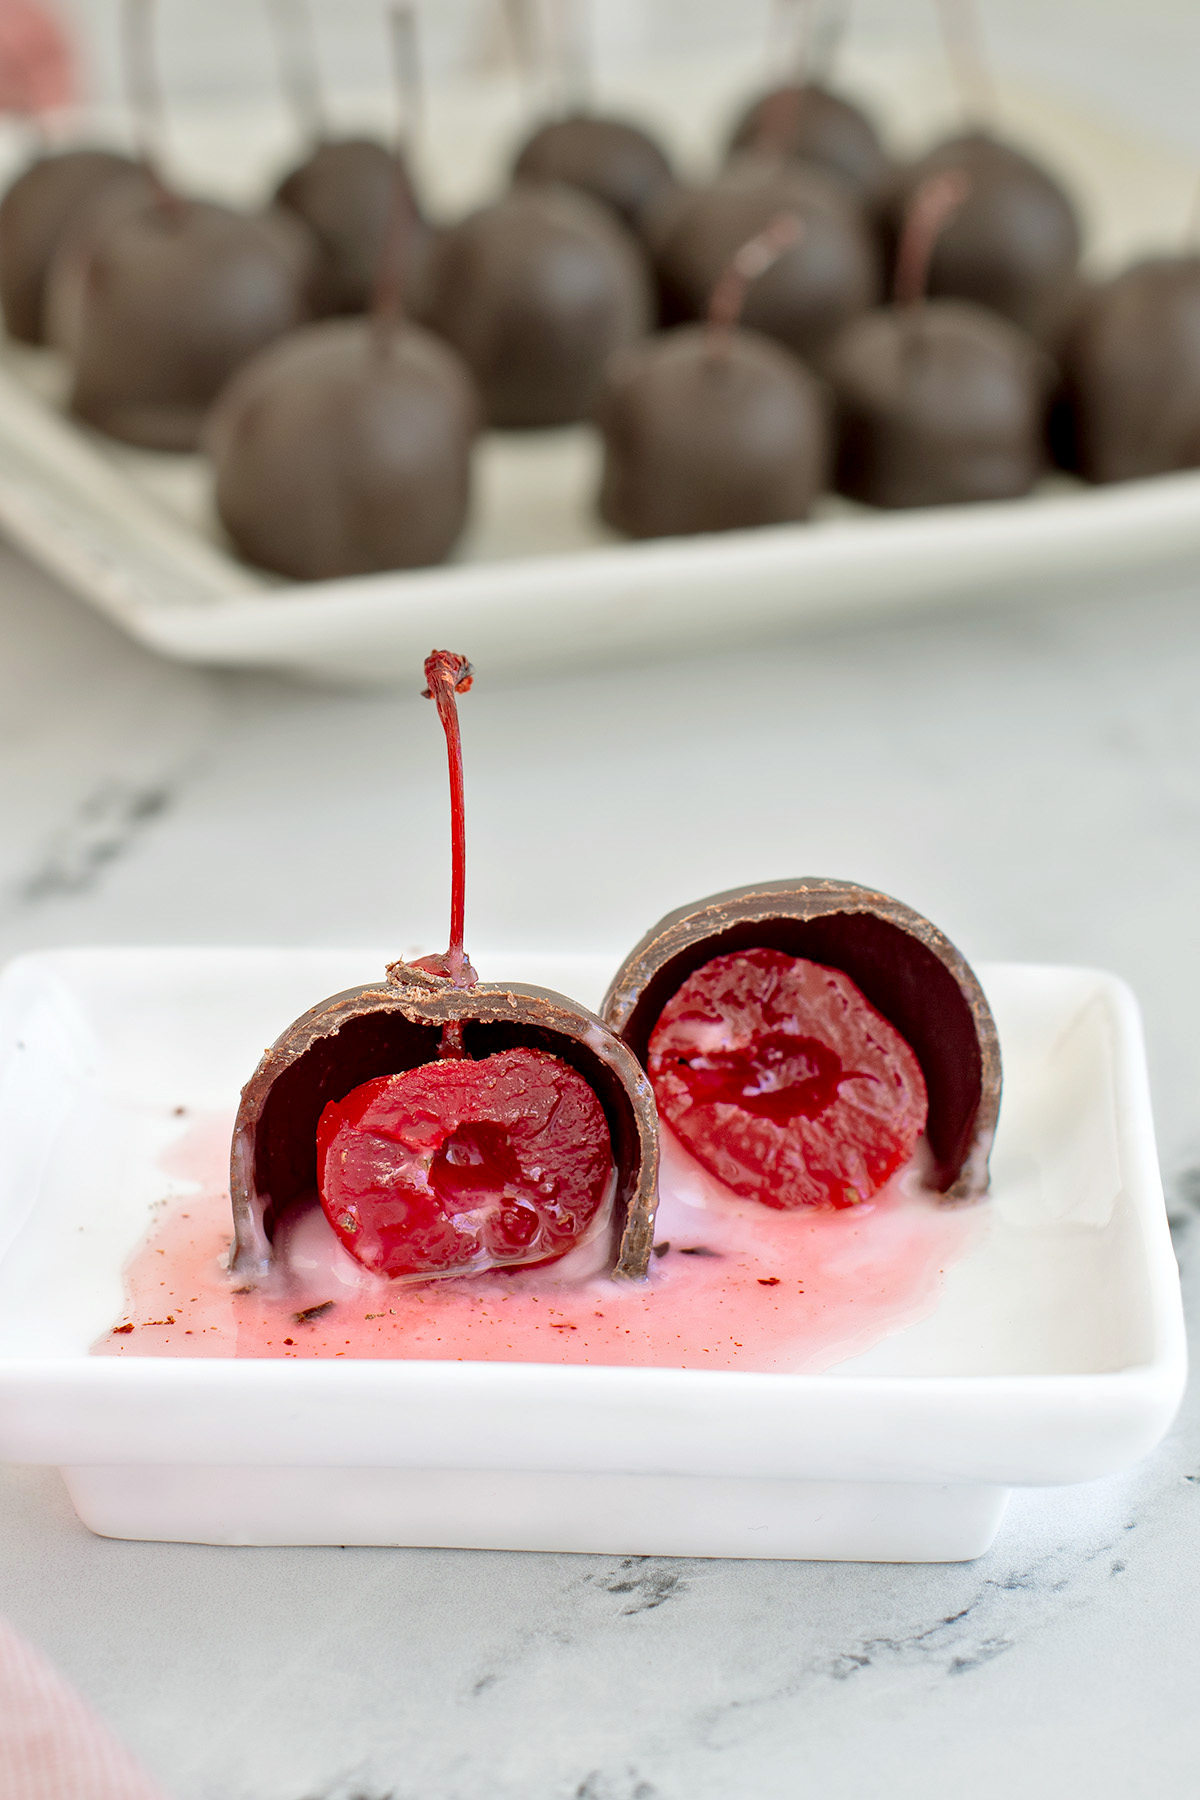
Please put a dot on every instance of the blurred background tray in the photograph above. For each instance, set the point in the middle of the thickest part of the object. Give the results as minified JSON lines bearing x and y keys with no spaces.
{"x":538,"y":579}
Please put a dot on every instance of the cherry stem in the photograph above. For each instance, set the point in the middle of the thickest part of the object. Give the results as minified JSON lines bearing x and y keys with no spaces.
{"x":930,"y":211}
{"x":449,"y":675}
{"x":144,"y":94}
{"x":969,"y":67}
{"x":753,"y":259}
{"x":296,"y":51}
{"x":387,"y":299}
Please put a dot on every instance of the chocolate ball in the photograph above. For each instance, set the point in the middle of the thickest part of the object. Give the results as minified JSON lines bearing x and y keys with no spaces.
{"x":178,"y":294}
{"x":937,"y":402}
{"x":344,"y":448}
{"x":808,"y":123}
{"x":66,"y":282}
{"x":1131,"y":372}
{"x":39,"y":206}
{"x":346,"y":192}
{"x":709,"y":429}
{"x":536,"y":292}
{"x":1014,"y":242}
{"x":616,"y":163}
{"x":829,"y":276}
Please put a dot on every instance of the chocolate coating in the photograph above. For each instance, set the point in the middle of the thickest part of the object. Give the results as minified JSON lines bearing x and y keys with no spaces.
{"x":937,"y":402}
{"x":1012,"y":245}
{"x":38,"y":207}
{"x":536,"y":292}
{"x":833,"y":273}
{"x":617,"y":163}
{"x":345,"y":192}
{"x":1131,"y":369}
{"x":708,"y":431}
{"x":395,"y":1025}
{"x":808,"y":123}
{"x":343,"y":449}
{"x":66,"y":286}
{"x":178,"y":295}
{"x":906,"y":968}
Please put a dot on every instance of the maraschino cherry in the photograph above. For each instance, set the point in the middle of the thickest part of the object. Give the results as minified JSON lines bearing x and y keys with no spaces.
{"x":449,"y":1125}
{"x":806,"y":1040}
{"x":710,"y":427}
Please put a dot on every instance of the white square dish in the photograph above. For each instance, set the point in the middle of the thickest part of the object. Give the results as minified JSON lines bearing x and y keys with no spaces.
{"x":538,"y":579}
{"x":1054,"y":1354}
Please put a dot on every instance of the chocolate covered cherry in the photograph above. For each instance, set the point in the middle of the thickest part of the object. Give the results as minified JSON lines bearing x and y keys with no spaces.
{"x":176,"y":294}
{"x":345,"y":191}
{"x":448,"y":1125}
{"x":1131,"y":372}
{"x":831,"y":274}
{"x":44,"y":201}
{"x":345,"y":448}
{"x":1013,"y":245}
{"x":616,"y":163}
{"x":805,"y":122}
{"x":536,"y":292}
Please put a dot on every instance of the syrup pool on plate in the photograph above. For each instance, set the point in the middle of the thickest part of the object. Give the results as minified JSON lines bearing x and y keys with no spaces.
{"x":733,"y":1284}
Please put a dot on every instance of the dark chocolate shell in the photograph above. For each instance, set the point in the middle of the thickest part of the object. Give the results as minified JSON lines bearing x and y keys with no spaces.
{"x":615,"y":162}
{"x":394,"y":1025}
{"x":44,"y":201}
{"x":906,"y":968}
{"x":808,"y":123}
{"x":346,"y":192}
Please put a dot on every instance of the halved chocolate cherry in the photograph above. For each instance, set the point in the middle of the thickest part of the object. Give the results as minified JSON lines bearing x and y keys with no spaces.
{"x":801,"y":1036}
{"x":448,"y":1125}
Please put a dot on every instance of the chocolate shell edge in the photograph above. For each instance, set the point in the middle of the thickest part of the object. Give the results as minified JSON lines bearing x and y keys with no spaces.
{"x":905,"y":966}
{"x":388,"y":1026}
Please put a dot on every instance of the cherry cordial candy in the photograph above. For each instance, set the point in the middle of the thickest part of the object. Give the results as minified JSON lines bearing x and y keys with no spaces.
{"x":805,"y":122}
{"x":537,"y":291}
{"x":807,"y":1039}
{"x":1013,"y":245}
{"x":1131,"y":372}
{"x":711,"y":428}
{"x":831,"y":274}
{"x":448,"y":1125}
{"x":344,"y":448}
{"x":44,"y":201}
{"x":615,"y":162}
{"x":345,"y":192}
{"x":177,"y":294}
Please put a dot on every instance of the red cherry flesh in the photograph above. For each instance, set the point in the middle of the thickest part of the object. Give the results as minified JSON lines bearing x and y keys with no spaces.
{"x":783,"y":1080}
{"x":459,"y":1166}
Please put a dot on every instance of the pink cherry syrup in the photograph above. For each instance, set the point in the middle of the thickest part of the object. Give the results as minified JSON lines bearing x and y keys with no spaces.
{"x":742,"y":1286}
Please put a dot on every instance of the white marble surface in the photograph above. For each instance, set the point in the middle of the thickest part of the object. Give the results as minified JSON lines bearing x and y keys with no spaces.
{"x":1029,"y":775}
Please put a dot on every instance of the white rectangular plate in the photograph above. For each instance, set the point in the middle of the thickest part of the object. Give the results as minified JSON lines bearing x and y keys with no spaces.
{"x":537,"y":579}
{"x":1054,"y":1354}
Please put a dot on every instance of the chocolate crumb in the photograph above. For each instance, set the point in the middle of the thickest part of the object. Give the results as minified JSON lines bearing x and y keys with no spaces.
{"x":289,"y":1340}
{"x":699,"y":1250}
{"x":180,"y":1111}
{"x":313,"y":1312}
{"x":768,"y":1281}
{"x":661,"y":1249}
{"x":118,"y":1329}
{"x":243,"y":1290}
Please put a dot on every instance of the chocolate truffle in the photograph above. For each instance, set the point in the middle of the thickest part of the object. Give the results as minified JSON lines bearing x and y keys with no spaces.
{"x":1131,"y":373}
{"x":344,"y":448}
{"x":832,"y":273}
{"x":177,"y":295}
{"x":901,"y":963}
{"x":536,"y":292}
{"x":345,"y":192}
{"x":709,"y":430}
{"x":805,"y":122}
{"x":1014,"y":243}
{"x":938,"y":401}
{"x":616,"y":163}
{"x":37,"y":209}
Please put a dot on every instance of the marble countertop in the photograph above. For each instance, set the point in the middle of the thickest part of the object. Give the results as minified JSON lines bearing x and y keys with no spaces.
{"x":1028,"y":774}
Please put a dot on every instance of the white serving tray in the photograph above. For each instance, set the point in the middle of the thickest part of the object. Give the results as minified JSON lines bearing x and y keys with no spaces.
{"x":1055,"y":1353}
{"x":538,"y":579}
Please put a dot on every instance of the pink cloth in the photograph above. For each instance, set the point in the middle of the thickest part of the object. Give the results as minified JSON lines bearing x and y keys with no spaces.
{"x":37,"y":64}
{"x":52,"y":1745}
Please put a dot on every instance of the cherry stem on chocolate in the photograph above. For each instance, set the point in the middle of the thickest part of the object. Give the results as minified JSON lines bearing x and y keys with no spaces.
{"x":963,"y":39}
{"x":448,"y":676}
{"x":144,"y":94}
{"x":753,"y":259}
{"x":296,"y":52}
{"x":930,"y":211}
{"x":387,"y":299}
